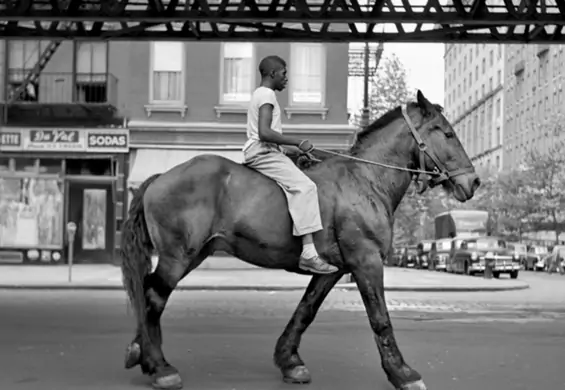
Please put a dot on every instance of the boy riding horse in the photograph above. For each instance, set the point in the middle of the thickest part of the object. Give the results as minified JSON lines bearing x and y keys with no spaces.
{"x":263,"y":152}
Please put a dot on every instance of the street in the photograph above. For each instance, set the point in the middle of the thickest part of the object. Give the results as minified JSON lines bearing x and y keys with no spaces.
{"x":68,"y":340}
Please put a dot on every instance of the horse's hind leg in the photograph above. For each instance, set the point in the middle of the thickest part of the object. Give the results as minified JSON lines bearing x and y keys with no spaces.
{"x":172,"y":268}
{"x":286,"y":355}
{"x":368,"y":274}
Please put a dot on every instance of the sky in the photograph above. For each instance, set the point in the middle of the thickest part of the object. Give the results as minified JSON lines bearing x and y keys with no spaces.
{"x":424,"y":66}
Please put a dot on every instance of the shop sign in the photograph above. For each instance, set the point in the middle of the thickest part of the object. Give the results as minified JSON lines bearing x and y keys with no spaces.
{"x":65,"y":140}
{"x":54,"y":140}
{"x":113,"y":141}
{"x":10,"y":141}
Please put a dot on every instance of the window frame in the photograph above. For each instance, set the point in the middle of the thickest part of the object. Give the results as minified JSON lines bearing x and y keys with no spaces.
{"x":172,"y":103}
{"x":252,"y":81}
{"x":294,"y":46}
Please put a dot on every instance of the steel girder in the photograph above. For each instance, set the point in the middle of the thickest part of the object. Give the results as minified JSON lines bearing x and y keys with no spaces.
{"x":288,"y":20}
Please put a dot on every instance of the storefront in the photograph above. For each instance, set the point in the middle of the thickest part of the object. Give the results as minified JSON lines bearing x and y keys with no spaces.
{"x":52,"y":176}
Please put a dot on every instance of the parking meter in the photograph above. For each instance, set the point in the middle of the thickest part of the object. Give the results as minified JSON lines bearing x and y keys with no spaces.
{"x":71,"y":233}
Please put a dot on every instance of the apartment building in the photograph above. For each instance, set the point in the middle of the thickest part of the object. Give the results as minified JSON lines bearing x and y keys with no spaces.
{"x":534,"y":99}
{"x":63,"y":150}
{"x":190,"y":98}
{"x":101,"y":117}
{"x":474,"y":99}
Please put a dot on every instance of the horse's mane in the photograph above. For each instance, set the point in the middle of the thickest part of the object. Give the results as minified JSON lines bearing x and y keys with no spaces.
{"x":380,"y":123}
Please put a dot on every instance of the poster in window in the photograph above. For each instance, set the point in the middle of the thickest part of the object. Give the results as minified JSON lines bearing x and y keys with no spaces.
{"x":31,"y":212}
{"x":94,"y":219}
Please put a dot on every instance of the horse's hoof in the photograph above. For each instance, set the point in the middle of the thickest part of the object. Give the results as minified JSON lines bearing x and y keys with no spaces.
{"x":297,"y":375}
{"x":168,"y":381}
{"x":418,"y":385}
{"x":133,"y":356}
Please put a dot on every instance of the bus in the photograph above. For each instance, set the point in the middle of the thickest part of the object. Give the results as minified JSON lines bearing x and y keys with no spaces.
{"x":462,"y":224}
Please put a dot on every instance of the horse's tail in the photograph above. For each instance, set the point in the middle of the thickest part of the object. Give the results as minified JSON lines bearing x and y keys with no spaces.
{"x":136,"y":250}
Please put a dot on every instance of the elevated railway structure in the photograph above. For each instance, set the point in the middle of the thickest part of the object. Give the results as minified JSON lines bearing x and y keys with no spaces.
{"x":470,"y":21}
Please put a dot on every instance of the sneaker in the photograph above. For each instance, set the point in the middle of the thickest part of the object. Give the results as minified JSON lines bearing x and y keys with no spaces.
{"x":316,"y":265}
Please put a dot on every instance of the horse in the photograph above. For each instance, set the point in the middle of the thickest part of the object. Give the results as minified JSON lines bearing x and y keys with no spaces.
{"x":210,"y":203}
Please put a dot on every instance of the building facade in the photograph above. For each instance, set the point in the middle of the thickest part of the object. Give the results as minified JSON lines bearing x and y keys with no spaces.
{"x":534,"y":99}
{"x":63,"y":151}
{"x":187,"y":99}
{"x":102,"y":117}
{"x":475,"y":98}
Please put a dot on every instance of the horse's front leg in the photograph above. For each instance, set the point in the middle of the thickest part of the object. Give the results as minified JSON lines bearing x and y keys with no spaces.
{"x":286,"y":355}
{"x":367,"y":269}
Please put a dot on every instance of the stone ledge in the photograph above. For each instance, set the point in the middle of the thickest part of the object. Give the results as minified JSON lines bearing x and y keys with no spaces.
{"x":225,"y":109}
{"x":322,"y":111}
{"x":151,"y":108}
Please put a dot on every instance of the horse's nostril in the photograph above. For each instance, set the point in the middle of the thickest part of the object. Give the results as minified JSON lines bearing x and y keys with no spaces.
{"x":476,"y":184}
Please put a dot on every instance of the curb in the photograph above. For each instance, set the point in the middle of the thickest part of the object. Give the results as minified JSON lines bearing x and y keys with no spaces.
{"x":343,"y":287}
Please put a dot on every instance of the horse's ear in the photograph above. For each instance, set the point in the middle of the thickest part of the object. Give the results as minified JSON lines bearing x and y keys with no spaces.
{"x":424,"y":104}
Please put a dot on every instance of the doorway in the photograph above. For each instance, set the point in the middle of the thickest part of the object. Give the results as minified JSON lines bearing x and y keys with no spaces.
{"x":91,"y":208}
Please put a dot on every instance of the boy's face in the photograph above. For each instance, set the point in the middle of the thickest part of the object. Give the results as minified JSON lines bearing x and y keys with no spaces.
{"x":280,"y":79}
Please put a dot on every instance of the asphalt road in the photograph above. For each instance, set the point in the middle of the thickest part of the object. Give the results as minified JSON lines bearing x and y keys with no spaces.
{"x":72,"y":340}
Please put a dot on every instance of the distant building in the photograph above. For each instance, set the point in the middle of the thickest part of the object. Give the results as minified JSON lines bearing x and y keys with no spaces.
{"x":474,"y":99}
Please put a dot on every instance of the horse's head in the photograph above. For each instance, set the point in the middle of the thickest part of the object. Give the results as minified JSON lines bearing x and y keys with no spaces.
{"x":441,"y":151}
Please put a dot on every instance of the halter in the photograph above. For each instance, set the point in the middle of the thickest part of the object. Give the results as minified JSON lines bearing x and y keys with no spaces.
{"x":432,"y":178}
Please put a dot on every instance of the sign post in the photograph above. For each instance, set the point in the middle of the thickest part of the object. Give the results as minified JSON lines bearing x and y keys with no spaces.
{"x":71,"y":233}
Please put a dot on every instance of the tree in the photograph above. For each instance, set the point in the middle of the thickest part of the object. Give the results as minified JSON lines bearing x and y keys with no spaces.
{"x":389,"y":88}
{"x":546,"y":186}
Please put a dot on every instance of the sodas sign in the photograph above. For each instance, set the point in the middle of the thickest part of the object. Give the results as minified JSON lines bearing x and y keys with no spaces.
{"x":108,"y":141}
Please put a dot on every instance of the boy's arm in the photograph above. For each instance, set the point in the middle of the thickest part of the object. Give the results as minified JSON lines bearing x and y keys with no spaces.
{"x":266,"y":134}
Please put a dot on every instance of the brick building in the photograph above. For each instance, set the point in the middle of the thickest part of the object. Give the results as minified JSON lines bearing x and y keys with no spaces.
{"x":95,"y":118}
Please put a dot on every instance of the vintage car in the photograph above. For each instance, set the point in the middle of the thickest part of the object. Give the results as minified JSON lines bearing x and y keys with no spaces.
{"x":410,"y":257}
{"x":440,"y":254}
{"x":556,"y":261}
{"x":536,"y":254}
{"x":520,"y":250}
{"x":470,"y":256}
{"x":395,"y":257}
{"x":424,"y":248}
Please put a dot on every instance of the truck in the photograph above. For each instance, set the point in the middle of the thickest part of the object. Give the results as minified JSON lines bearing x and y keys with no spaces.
{"x":462,"y":224}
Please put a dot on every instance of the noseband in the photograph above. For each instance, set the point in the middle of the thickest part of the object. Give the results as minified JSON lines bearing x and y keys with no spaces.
{"x":432,"y":178}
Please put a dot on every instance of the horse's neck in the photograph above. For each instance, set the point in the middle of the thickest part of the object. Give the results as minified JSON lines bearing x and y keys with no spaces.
{"x":394,"y":148}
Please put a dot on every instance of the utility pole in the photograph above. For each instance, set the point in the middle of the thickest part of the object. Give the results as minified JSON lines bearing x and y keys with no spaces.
{"x":360,"y":65}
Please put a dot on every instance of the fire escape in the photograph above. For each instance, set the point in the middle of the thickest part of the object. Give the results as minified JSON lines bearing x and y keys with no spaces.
{"x":33,"y":95}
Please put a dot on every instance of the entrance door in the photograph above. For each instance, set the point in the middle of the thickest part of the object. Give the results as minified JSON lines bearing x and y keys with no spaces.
{"x":92,"y":210}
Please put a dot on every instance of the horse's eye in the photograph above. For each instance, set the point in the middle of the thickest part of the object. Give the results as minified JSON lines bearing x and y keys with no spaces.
{"x":449,"y":134}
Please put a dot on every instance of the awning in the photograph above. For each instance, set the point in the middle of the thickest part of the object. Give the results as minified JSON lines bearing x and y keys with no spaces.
{"x":150,"y":161}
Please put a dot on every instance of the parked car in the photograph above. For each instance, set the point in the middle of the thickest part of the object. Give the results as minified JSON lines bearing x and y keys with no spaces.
{"x":440,"y":254}
{"x":424,"y":248}
{"x":410,"y":257}
{"x":472,"y":253}
{"x":535,"y":255}
{"x":521,"y":251}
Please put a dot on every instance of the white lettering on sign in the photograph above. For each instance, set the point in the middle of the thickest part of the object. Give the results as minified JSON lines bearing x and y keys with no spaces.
{"x":103,"y":140}
{"x":54,"y":136}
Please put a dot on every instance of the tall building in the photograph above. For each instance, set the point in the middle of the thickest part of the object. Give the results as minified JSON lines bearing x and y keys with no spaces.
{"x":474,"y":99}
{"x":533,"y":97}
{"x":101,"y":117}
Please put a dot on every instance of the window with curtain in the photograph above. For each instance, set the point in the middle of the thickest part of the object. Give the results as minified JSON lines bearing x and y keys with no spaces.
{"x":92,"y":61}
{"x":238,"y":71}
{"x":307,"y":73}
{"x":167,"y":69}
{"x":23,"y":57}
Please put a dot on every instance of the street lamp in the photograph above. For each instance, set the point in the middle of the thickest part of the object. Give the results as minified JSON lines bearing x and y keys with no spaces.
{"x":361,"y":63}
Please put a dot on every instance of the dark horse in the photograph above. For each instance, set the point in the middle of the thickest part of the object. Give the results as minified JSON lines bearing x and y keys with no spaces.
{"x":210,"y":203}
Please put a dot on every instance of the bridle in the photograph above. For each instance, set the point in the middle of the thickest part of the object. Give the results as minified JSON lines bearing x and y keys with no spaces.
{"x":438,"y":175}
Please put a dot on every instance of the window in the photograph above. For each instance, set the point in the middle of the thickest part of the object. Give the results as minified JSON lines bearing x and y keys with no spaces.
{"x":91,"y":68}
{"x":167,"y":65}
{"x":91,"y":58}
{"x":307,"y":71}
{"x":23,"y":57}
{"x":238,"y":72}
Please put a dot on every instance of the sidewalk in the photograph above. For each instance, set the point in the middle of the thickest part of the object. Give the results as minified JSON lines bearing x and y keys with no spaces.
{"x":108,"y":277}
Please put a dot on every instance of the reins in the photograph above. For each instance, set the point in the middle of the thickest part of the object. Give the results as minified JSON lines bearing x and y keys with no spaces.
{"x":416,"y":171}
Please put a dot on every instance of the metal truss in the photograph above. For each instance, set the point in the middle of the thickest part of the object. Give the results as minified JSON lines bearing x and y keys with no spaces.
{"x":288,"y":20}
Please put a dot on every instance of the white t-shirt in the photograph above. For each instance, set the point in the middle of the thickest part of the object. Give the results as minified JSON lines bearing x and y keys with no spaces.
{"x":261,"y":96}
